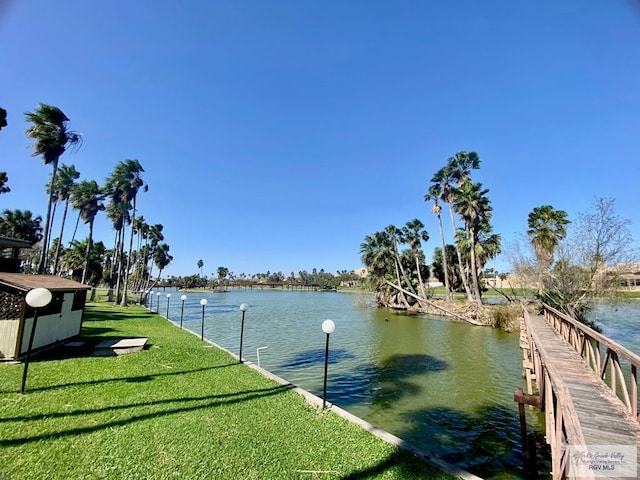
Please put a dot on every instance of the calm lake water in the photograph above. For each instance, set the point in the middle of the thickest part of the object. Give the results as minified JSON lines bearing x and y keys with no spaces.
{"x":443,"y":386}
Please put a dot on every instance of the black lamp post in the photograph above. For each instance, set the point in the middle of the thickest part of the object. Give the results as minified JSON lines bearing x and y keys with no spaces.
{"x":168,"y":297}
{"x":328,"y":327}
{"x":203,"y":302}
{"x":158,"y":303}
{"x":150,"y":300}
{"x":183,"y":298}
{"x":243,"y":308}
{"x":36,"y":298}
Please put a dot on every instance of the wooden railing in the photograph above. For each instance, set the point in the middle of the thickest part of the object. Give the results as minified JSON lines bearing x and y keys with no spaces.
{"x":600,"y":352}
{"x":562,"y":424}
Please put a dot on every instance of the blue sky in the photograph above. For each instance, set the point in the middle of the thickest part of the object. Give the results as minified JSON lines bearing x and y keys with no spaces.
{"x":275,"y":135}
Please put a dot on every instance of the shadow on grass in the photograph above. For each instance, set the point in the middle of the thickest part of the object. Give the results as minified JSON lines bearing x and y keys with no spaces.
{"x":139,"y":378}
{"x":208,"y":401}
{"x":407,"y":464}
{"x":383,"y":384}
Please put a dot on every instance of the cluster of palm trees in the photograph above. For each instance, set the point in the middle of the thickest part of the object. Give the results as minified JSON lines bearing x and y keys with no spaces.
{"x":122,"y":267}
{"x":402,"y":273}
{"x":397,"y":277}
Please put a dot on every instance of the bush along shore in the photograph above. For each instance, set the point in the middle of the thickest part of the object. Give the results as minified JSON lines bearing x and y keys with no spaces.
{"x":178,"y":409}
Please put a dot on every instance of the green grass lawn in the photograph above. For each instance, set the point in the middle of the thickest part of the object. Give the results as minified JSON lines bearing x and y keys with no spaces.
{"x":178,"y":410}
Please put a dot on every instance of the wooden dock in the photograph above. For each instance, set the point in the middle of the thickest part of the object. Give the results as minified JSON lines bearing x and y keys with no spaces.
{"x":570,"y":365}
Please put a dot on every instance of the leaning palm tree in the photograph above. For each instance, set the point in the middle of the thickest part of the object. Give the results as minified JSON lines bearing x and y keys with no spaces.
{"x":65,"y":181}
{"x":51,"y":137}
{"x":88,"y":199}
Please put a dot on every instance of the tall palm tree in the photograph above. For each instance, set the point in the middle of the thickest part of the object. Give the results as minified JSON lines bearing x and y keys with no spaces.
{"x":435,"y":193}
{"x":88,"y":199}
{"x":21,"y":225}
{"x":415,"y":234}
{"x":473,"y":205}
{"x":51,"y":137}
{"x":446,"y":179}
{"x":123,"y":185}
{"x":65,"y":181}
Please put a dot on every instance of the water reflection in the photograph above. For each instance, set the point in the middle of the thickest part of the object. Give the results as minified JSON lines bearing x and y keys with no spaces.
{"x":446,"y":387}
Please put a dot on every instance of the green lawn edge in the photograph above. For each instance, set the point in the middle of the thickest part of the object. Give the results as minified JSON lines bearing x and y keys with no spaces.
{"x":178,"y":410}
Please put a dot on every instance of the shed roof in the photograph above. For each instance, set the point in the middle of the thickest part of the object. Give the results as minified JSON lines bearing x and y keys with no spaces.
{"x":25,"y":282}
{"x":6,"y":242}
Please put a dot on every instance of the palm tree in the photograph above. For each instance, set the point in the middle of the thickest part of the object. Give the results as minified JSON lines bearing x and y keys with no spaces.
{"x":446,"y":178}
{"x":21,"y":225}
{"x":161,"y":257}
{"x":65,"y":181}
{"x":75,"y":258}
{"x":3,"y":183}
{"x":88,"y":198}
{"x":123,"y":186}
{"x":51,"y":137}
{"x":200,"y":265}
{"x":396,"y":235}
{"x":461,"y":164}
{"x":546,"y":231}
{"x":472,"y":204}
{"x":415,"y":234}
{"x":3,"y":118}
{"x":134,"y":183}
{"x":435,"y":193}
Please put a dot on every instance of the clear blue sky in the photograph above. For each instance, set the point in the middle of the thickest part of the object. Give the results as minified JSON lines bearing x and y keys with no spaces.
{"x":276,"y":134}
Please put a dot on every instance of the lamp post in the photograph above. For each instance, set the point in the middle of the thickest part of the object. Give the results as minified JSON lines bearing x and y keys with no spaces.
{"x":168,"y":297}
{"x":158,"y":303}
{"x":243,"y":308}
{"x":183,"y":298}
{"x":150,"y":299}
{"x":203,"y":302}
{"x":328,"y":327}
{"x":36,"y":298}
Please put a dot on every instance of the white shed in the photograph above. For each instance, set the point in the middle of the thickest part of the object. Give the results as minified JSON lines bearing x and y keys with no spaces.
{"x":58,"y":321}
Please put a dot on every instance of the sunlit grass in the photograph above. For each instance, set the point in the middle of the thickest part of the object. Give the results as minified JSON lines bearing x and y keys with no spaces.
{"x":178,"y":410}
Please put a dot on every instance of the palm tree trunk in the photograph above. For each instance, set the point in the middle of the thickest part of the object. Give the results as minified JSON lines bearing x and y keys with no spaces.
{"x":75,"y":230}
{"x":47,"y":223}
{"x":64,"y":219}
{"x":422,"y":289}
{"x":465,"y":280}
{"x":87,"y":253}
{"x":126,"y":272}
{"x":119,"y":264}
{"x":474,"y":271}
{"x":113,"y":267}
{"x":445,"y":263}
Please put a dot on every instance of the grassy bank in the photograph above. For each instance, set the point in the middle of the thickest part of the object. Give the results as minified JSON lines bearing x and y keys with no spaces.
{"x":179,"y":409}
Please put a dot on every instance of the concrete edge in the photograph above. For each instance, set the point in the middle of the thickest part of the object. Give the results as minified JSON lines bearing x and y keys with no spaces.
{"x":317,"y":402}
